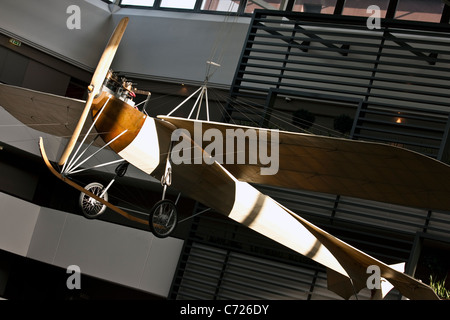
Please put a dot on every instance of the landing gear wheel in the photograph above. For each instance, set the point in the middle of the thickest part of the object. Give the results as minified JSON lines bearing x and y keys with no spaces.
{"x":163,"y":218}
{"x":90,"y":207}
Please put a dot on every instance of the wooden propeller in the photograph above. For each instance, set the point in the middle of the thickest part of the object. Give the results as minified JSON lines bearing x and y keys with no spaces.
{"x":96,"y":83}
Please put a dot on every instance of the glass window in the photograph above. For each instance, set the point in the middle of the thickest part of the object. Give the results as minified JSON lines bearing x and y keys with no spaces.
{"x":359,"y":8}
{"x":145,"y":3}
{"x":316,"y":6}
{"x":428,"y":11}
{"x":266,"y":4}
{"x":178,"y":4}
{"x":221,"y":5}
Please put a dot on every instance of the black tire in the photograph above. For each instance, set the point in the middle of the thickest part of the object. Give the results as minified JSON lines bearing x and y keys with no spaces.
{"x":90,"y":207}
{"x":163,"y":218}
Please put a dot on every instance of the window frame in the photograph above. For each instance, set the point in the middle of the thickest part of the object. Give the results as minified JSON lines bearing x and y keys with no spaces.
{"x":339,"y":7}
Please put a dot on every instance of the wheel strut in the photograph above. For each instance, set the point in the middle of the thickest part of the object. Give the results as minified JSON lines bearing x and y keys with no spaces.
{"x":163,"y":216}
{"x":92,"y":208}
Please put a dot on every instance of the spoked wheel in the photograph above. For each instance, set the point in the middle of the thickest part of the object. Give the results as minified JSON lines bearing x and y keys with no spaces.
{"x":163,"y":218}
{"x":92,"y":208}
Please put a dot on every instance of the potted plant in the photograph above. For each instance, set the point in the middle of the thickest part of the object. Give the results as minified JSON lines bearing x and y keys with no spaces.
{"x":439,"y":287}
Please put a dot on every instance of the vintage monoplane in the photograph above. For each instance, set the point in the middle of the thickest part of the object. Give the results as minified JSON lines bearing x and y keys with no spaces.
{"x":309,"y":162}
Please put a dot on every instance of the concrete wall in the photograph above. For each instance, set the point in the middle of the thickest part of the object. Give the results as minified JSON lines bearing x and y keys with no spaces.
{"x":115,"y":253}
{"x":157,"y":44}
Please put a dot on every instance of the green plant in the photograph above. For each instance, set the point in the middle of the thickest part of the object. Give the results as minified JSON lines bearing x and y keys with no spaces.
{"x":439,"y":287}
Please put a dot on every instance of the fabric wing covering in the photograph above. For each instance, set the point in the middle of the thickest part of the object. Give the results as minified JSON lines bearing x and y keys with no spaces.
{"x":45,"y":112}
{"x":353,"y":168}
{"x":225,"y":188}
{"x":347,"y":265}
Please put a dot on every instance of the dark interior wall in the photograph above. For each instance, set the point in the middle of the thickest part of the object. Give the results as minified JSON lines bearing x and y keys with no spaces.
{"x":18,"y":181}
{"x":23,"y":278}
{"x":25,"y":66}
{"x":12,"y":67}
{"x":19,"y":70}
{"x":43,"y":78}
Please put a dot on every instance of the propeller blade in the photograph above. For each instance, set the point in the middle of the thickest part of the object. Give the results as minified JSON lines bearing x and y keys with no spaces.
{"x":96,"y":83}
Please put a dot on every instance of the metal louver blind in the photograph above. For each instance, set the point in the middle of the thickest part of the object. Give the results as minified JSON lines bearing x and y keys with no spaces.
{"x":212,"y":273}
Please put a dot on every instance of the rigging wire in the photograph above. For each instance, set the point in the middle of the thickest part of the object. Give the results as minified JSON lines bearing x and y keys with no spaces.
{"x":222,"y":40}
{"x":281,"y":117}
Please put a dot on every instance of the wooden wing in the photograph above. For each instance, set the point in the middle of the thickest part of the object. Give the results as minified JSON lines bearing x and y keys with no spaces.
{"x":352,"y":168}
{"x":214,"y":186}
{"x":45,"y":112}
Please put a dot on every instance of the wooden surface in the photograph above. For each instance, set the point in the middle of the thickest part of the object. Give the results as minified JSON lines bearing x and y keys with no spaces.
{"x":213,"y":186}
{"x":352,"y":168}
{"x":45,"y":112}
{"x":356,"y":262}
{"x":116,"y":117}
{"x":96,"y":83}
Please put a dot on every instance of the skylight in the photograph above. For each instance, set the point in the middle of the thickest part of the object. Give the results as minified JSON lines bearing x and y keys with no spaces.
{"x":415,"y":10}
{"x":179,"y":4}
{"x":146,"y":3}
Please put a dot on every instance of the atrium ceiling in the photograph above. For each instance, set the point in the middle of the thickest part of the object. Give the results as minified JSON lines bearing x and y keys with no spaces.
{"x":171,"y":40}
